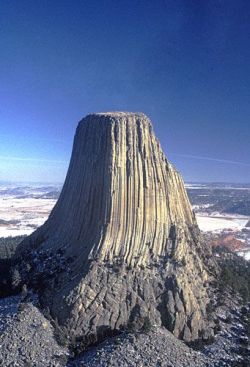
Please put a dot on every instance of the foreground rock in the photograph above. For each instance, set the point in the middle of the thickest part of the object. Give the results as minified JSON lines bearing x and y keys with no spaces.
{"x":121,"y":245}
{"x":158,"y":348}
{"x":27,"y":337}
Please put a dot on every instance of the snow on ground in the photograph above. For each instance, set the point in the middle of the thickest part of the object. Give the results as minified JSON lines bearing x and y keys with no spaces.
{"x":220,"y":222}
{"x":194,"y":186}
{"x":223,"y":186}
{"x":19,"y":216}
{"x":244,"y":253}
{"x":10,"y":232}
{"x":202,"y":206}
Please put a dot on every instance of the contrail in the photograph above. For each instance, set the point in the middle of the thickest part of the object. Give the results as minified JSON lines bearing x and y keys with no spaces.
{"x":211,"y":159}
{"x":23,"y":159}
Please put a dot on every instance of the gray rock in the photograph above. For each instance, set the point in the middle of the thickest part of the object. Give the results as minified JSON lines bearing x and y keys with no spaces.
{"x":157,"y":348}
{"x":27,"y":338}
{"x":121,"y":245}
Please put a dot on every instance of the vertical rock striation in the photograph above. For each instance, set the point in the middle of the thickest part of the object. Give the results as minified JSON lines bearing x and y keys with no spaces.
{"x":125,"y":229}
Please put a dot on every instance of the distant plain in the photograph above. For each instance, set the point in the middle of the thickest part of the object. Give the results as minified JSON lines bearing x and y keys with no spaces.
{"x":219,"y":207}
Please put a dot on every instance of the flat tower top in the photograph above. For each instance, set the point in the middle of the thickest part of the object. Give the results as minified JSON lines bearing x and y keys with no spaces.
{"x":118,"y":114}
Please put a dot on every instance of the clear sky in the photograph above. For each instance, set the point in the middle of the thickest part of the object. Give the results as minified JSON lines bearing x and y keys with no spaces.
{"x":184,"y":63}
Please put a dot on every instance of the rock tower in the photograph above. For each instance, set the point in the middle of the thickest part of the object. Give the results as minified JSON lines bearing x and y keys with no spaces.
{"x":121,"y":245}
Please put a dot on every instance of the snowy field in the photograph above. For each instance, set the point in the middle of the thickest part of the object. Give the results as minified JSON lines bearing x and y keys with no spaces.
{"x":198,"y":186}
{"x":24,"y":208}
{"x":217,"y":222}
{"x":245,"y":254}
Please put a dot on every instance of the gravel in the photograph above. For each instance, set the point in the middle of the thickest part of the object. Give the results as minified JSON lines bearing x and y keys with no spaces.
{"x":158,"y":348}
{"x":27,"y":339}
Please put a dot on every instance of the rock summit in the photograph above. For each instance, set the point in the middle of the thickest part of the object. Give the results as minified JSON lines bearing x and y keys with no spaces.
{"x":121,"y":246}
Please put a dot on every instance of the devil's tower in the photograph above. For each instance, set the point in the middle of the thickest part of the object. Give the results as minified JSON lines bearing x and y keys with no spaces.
{"x":124,"y":228}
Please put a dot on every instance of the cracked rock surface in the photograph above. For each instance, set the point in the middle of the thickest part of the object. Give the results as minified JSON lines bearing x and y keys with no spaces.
{"x":122,"y":243}
{"x":27,"y":338}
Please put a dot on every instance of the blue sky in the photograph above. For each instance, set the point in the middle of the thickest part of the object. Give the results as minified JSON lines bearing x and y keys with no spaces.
{"x":184,"y":63}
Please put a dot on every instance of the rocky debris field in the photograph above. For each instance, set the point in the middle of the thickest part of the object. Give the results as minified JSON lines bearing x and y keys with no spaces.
{"x":27,"y":338}
{"x":231,"y":346}
{"x":156,"y":348}
{"x":159,"y":348}
{"x":8,"y":309}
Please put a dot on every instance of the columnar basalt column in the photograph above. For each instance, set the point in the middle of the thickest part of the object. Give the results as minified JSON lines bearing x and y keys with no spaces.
{"x":124,"y":227}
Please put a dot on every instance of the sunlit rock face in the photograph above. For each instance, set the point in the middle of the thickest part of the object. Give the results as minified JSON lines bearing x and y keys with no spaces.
{"x":125,"y":232}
